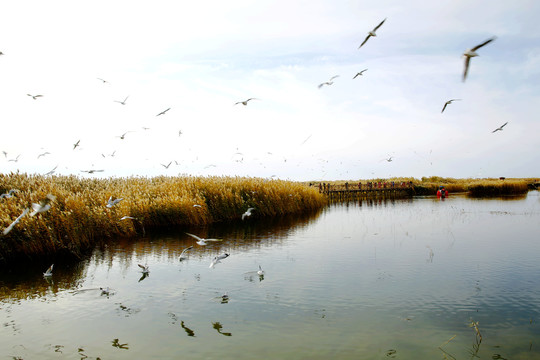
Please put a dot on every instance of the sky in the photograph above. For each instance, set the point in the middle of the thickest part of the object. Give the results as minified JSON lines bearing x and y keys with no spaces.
{"x":199,"y":58}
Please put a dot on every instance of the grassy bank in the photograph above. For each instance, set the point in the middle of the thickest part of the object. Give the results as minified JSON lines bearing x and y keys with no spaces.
{"x":474,"y":187}
{"x":79,"y":218}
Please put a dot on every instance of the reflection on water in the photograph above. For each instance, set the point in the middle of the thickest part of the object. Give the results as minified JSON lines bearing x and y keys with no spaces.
{"x":369,"y":278}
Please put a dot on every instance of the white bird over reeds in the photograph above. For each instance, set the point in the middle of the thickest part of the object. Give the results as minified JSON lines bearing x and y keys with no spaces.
{"x":167,"y":166}
{"x":247,"y":213}
{"x":50,"y":172}
{"x":122,"y":102}
{"x":92,"y":171}
{"x":16,"y":159}
{"x":48,"y":273}
{"x":359,"y":74}
{"x":202,"y":241}
{"x":371,"y":33}
{"x":43,"y":205}
{"x":470,"y":53}
{"x":8,"y":194}
{"x":500,"y":128}
{"x":35,"y":96}
{"x":145,"y":269}
{"x":329,"y":82}
{"x":111,"y":202}
{"x":182,"y":257}
{"x":245,"y":102}
{"x":448,"y":103}
{"x":12,"y":225}
{"x":163,"y":112}
{"x":127,"y":217}
{"x":217,"y":259}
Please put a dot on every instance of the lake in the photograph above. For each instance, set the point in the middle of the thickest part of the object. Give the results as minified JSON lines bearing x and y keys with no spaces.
{"x":364,"y":279}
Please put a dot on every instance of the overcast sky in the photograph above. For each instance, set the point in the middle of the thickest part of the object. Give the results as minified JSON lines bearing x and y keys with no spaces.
{"x":199,"y":58}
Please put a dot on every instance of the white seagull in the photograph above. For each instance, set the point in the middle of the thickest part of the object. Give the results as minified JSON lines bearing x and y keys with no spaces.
{"x":202,"y":241}
{"x":8,"y":194}
{"x":245,"y":102}
{"x":102,"y":80}
{"x":500,"y":128}
{"x":111,"y":202}
{"x":122,"y":102}
{"x":371,"y":33}
{"x":260,"y":272}
{"x":470,"y":53}
{"x":329,"y":82}
{"x":43,"y":205}
{"x":163,"y":112}
{"x":247,"y":213}
{"x":182,"y":257}
{"x":448,"y":103}
{"x":127,"y":217}
{"x":10,"y":227}
{"x":34,"y":96}
{"x":48,"y":273}
{"x":144,"y":268}
{"x":217,"y":259}
{"x":359,"y":74}
{"x":76,"y":144}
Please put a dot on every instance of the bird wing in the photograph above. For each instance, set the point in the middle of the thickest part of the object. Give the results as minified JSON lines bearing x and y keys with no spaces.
{"x":141,"y":266}
{"x":444,"y":107}
{"x":503,"y":125}
{"x":378,"y":26}
{"x":482,"y":44}
{"x":333,"y":77}
{"x":365,"y":41}
{"x":466,"y":70}
{"x":195,"y":237}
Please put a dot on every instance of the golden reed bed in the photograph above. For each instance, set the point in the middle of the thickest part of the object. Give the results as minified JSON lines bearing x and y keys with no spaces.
{"x":79,"y":218}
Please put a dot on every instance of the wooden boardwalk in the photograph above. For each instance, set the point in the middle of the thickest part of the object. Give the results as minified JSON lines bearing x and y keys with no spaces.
{"x":349,"y":191}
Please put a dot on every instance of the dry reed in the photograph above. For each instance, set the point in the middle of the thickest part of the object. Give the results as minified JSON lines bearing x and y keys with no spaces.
{"x":79,"y":218}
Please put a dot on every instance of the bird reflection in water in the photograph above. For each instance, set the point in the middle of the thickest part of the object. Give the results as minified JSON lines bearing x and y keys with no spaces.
{"x":116,"y":344}
{"x":217,"y":325}
{"x":188,"y":330}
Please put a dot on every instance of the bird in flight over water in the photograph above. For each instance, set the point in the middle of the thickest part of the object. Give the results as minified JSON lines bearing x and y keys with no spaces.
{"x":500,"y":128}
{"x":359,"y":74}
{"x":34,"y":96}
{"x":163,"y":112}
{"x":470,"y":53}
{"x":329,"y":82}
{"x":245,"y":102}
{"x":372,"y":33}
{"x":122,"y":102}
{"x":448,"y":103}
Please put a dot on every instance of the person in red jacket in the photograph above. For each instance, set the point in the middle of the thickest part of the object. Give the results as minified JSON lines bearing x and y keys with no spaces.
{"x":442,"y":193}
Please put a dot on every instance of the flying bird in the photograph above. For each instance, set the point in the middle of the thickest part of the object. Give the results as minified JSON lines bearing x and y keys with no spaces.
{"x":247,"y":213}
{"x":372,"y":33}
{"x":48,"y":273}
{"x":217,"y":260}
{"x":127,"y":217}
{"x":111,"y":202}
{"x":145,"y":269}
{"x":122,"y":102}
{"x":76,"y":144}
{"x":182,"y":257}
{"x":34,"y":96}
{"x":91,"y":171}
{"x":50,"y":172}
{"x":8,"y":194}
{"x":103,"y":80}
{"x":448,"y":103}
{"x":470,"y":53}
{"x":202,"y":241}
{"x":163,"y":112}
{"x":123,"y":135}
{"x":12,"y":225}
{"x":16,"y":159}
{"x":43,"y":205}
{"x":389,"y":159}
{"x":500,"y":128}
{"x":359,"y":74}
{"x":329,"y":82}
{"x":167,"y":166}
{"x":245,"y":102}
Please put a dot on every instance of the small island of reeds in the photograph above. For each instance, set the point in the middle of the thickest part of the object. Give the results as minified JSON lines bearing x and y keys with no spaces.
{"x":79,"y":218}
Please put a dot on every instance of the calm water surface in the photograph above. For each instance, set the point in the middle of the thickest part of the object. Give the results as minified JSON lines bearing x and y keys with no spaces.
{"x":360,"y":280}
